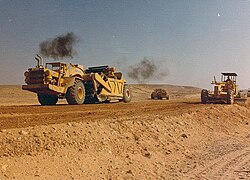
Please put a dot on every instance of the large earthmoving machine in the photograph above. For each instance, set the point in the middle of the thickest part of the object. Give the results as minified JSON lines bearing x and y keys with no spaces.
{"x":225,"y":91}
{"x":78,"y":85}
{"x":159,"y":94}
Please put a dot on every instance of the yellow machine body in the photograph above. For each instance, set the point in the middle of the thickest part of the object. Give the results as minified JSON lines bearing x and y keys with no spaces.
{"x":225,"y":90}
{"x":54,"y":78}
{"x":76,"y":84}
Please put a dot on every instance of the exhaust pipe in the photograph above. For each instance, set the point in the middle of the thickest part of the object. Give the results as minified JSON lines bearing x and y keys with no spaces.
{"x":39,"y":60}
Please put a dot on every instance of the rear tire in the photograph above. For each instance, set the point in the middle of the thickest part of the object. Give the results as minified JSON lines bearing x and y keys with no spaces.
{"x":76,"y":93}
{"x":204,"y":96}
{"x":230,"y":97}
{"x":126,"y":94}
{"x":153,"y":96}
{"x":47,"y":99}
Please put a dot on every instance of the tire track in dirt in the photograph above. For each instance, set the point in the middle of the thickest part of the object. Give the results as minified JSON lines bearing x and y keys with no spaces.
{"x":225,"y":167}
{"x":234,"y":163}
{"x":242,"y":170}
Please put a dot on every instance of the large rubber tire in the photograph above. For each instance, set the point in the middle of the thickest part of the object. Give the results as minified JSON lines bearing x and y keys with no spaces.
{"x":76,"y":93}
{"x":127,"y":95}
{"x":152,"y":95}
{"x":230,"y":97}
{"x":47,"y":99}
{"x":204,"y":96}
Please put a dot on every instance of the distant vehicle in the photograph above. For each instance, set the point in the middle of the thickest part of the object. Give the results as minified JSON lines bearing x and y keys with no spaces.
{"x":225,"y":90}
{"x":159,"y":94}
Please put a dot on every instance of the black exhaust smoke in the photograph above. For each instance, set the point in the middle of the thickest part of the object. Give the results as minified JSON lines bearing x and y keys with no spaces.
{"x":59,"y":47}
{"x":145,"y":70}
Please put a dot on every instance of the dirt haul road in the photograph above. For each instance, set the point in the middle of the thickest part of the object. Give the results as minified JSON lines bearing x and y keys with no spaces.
{"x":176,"y":139}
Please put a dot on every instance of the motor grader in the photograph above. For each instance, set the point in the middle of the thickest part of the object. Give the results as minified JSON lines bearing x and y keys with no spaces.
{"x":225,"y":91}
{"x":57,"y":80}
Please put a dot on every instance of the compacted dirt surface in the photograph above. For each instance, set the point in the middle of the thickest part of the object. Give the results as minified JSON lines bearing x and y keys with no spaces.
{"x":144,"y":139}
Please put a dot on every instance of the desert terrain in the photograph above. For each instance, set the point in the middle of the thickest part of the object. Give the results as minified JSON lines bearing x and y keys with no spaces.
{"x":145,"y":139}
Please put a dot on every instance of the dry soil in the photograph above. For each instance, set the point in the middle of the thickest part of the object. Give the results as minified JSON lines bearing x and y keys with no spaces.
{"x":144,"y":139}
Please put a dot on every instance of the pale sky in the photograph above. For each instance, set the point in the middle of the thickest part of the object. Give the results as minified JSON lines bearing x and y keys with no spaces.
{"x":192,"y":39}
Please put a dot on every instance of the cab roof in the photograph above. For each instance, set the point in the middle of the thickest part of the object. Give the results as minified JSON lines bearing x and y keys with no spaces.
{"x":55,"y":63}
{"x":229,"y":74}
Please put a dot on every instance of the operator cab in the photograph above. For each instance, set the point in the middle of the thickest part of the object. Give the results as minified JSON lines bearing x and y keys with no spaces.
{"x":230,"y":81}
{"x":55,"y":66}
{"x":225,"y":77}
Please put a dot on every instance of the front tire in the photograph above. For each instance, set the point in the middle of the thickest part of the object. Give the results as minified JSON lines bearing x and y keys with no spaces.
{"x":47,"y":99}
{"x":76,"y":93}
{"x":230,"y":97}
{"x":126,"y":94}
{"x":204,"y":96}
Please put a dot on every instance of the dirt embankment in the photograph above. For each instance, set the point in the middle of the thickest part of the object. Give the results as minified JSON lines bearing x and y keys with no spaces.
{"x":210,"y":141}
{"x":176,"y":139}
